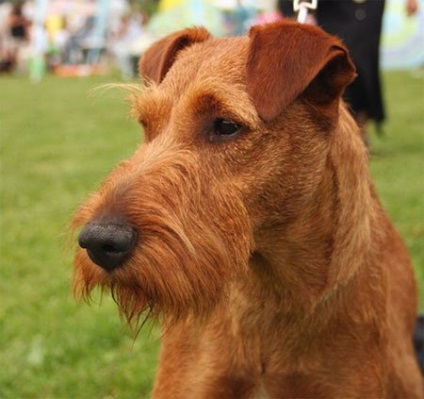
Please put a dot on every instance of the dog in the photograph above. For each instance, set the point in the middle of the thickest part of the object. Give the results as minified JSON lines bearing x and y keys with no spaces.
{"x":248,"y":226}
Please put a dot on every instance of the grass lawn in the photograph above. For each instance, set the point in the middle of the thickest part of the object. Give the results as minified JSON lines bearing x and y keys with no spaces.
{"x":57,"y":143}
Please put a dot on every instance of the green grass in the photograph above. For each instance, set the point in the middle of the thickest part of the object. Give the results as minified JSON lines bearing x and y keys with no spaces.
{"x":57,"y":143}
{"x":397,"y":164}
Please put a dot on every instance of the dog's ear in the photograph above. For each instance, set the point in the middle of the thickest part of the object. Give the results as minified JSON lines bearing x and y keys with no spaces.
{"x":158,"y":59}
{"x":287,"y":59}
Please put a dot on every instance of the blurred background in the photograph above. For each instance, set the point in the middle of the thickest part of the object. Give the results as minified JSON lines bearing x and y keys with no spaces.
{"x":59,"y":138}
{"x":85,"y":37}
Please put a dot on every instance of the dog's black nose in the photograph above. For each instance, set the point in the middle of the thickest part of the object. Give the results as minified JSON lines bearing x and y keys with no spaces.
{"x":108,"y":243}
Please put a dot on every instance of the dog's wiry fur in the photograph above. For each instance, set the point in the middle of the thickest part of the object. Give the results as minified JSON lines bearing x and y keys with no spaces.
{"x":266,"y":255}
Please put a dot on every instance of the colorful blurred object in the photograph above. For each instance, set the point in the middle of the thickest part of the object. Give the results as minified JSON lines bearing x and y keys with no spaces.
{"x":166,"y":5}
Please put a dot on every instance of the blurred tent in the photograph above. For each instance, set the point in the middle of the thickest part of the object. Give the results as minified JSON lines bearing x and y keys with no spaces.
{"x":66,"y":7}
{"x":403,"y":37}
{"x":220,"y":17}
{"x":166,"y":5}
{"x":179,"y":14}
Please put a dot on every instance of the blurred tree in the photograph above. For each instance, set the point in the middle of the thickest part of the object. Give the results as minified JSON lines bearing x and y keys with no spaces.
{"x":145,"y":6}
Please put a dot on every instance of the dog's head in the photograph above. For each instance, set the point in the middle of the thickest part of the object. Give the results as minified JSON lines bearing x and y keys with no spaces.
{"x":239,"y":135}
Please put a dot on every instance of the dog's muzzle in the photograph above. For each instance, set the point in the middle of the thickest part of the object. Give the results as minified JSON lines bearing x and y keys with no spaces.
{"x":108,"y":243}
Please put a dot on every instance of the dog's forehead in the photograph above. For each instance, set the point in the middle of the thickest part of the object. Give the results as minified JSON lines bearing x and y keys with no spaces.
{"x":222,"y":59}
{"x":211,"y":72}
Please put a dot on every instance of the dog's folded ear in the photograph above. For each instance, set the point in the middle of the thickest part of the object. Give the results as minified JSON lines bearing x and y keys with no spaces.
{"x":287,"y":60}
{"x":158,"y":59}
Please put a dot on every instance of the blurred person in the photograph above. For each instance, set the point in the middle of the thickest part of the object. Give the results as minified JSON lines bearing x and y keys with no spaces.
{"x":358,"y":23}
{"x":17,"y":34}
{"x":73,"y":49}
{"x":18,"y":24}
{"x":6,"y":64}
{"x":58,"y":39}
{"x":130,"y":28}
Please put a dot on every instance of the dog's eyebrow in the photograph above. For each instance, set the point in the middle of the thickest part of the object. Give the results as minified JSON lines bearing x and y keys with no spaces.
{"x":229,"y":101}
{"x":152,"y":106}
{"x":150,"y":103}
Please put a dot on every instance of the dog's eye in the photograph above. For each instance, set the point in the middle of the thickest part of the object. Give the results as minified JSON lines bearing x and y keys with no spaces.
{"x":224,"y":129}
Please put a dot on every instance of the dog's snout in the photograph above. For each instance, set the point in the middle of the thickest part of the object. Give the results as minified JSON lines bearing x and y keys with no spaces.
{"x":108,"y":243}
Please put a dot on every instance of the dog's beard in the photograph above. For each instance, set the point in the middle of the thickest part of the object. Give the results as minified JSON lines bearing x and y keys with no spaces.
{"x":189,"y":247}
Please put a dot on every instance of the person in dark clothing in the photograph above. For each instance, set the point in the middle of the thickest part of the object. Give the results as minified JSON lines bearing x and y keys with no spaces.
{"x":18,"y":35}
{"x":18,"y":24}
{"x":358,"y":23}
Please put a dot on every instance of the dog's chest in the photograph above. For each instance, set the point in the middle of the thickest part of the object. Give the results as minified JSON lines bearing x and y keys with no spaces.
{"x":261,"y":393}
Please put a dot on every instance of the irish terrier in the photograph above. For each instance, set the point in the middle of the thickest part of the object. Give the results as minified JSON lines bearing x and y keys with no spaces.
{"x":249,"y":226}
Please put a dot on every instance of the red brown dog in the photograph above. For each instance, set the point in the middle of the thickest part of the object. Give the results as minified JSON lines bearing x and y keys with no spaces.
{"x":249,"y":226}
